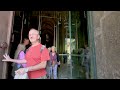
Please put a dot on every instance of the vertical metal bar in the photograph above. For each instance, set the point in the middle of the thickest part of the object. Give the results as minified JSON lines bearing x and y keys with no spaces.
{"x":70,"y":42}
{"x":83,"y":30}
{"x":39,"y":25}
{"x":93,"y":68}
{"x":22,"y":27}
{"x":57,"y":27}
{"x":54,"y":35}
{"x":38,"y":20}
{"x":76,"y":36}
{"x":66,"y":27}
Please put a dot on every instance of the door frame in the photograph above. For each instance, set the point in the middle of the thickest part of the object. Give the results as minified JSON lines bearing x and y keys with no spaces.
{"x":10,"y":28}
{"x":91,"y":43}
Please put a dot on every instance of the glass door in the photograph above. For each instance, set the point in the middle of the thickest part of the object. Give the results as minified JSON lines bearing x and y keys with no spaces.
{"x":70,"y":43}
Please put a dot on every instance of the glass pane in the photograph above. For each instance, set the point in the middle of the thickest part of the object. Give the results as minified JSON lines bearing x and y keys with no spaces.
{"x":64,"y":71}
{"x":78,"y":71}
{"x":77,"y":46}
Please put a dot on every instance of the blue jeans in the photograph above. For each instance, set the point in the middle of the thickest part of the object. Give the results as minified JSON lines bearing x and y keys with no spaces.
{"x":53,"y":71}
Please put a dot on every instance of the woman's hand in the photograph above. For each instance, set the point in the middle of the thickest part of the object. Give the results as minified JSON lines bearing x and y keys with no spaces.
{"x":59,"y":63}
{"x":21,"y":71}
{"x":7,"y":58}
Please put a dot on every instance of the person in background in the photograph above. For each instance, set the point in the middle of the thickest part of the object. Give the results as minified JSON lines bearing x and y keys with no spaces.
{"x":54,"y":59}
{"x":64,"y":57}
{"x":87,"y":61}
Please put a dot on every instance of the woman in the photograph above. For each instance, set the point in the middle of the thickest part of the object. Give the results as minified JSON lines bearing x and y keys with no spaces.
{"x":20,"y":54}
{"x":54,"y":59}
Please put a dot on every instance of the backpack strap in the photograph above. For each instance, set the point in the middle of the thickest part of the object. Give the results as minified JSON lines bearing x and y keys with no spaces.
{"x":42,"y":48}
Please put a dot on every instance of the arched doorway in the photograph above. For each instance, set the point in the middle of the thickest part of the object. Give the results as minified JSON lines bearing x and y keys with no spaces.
{"x":67,"y":30}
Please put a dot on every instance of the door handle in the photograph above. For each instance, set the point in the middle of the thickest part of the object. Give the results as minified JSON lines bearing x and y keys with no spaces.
{"x":3,"y":45}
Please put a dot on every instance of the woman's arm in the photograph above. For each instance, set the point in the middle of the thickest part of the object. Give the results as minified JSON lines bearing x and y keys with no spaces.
{"x":8,"y":59}
{"x":15,"y":61}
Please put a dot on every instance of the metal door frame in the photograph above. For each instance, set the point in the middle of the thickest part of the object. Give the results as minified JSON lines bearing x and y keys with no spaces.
{"x":91,"y":42}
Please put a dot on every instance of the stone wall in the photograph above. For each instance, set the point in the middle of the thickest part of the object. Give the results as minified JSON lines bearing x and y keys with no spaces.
{"x":106,"y":26}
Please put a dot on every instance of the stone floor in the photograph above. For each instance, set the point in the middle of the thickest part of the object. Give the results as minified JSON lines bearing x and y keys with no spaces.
{"x":64,"y":72}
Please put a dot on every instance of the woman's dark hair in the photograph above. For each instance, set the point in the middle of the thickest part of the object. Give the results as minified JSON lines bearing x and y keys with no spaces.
{"x":27,"y":46}
{"x":25,"y":39}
